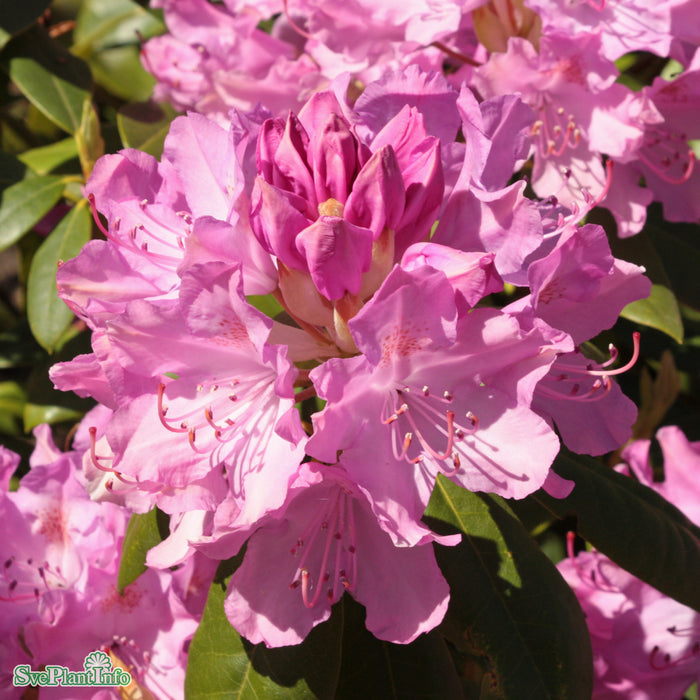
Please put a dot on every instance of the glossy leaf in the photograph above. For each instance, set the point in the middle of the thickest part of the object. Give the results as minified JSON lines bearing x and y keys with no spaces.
{"x":659,"y":310}
{"x":508,"y":602}
{"x":49,"y":317}
{"x":107,"y":37}
{"x":15,"y":17}
{"x":44,"y":159}
{"x":223,"y":665}
{"x":145,"y":530}
{"x":24,"y":204}
{"x":105,"y":23}
{"x":144,"y":125}
{"x":36,"y":414}
{"x":626,"y":521}
{"x":50,"y":77}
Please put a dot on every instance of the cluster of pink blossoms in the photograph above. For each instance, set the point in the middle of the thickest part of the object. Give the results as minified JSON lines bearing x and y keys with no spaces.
{"x":595,"y":140}
{"x":400,"y":372}
{"x":58,"y":592}
{"x":295,"y":327}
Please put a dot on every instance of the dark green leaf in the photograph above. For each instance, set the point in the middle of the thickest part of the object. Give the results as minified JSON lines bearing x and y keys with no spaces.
{"x":626,"y":521}
{"x":659,"y":310}
{"x":12,"y":170}
{"x":224,"y":666}
{"x":372,"y":668}
{"x":144,"y":531}
{"x":119,"y":71}
{"x":18,"y":348}
{"x":509,"y":605}
{"x":144,"y":125}
{"x":18,"y":16}
{"x":49,"y":317}
{"x":50,"y":77}
{"x":679,"y":248}
{"x":24,"y":204}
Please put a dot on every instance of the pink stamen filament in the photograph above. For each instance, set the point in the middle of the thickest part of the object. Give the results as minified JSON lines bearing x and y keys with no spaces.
{"x":292,"y":23}
{"x":95,"y":459}
{"x":338,"y":521}
{"x":443,"y":422}
{"x":330,"y":536}
{"x":600,"y":371}
{"x":169,"y":261}
{"x":662,"y":168}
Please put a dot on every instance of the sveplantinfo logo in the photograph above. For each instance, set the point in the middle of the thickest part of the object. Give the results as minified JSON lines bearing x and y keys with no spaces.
{"x":97,"y":671}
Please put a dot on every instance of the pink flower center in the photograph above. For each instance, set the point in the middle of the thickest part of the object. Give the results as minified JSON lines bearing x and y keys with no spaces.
{"x":23,"y":580}
{"x":555,"y":130}
{"x":333,"y":530}
{"x":667,"y":155}
{"x":421,"y":420}
{"x":149,"y":237}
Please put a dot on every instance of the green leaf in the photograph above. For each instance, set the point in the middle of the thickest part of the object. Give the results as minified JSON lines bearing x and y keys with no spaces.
{"x":44,"y":159}
{"x":679,"y":248}
{"x":265,"y":303}
{"x":88,"y":139}
{"x":102,"y":24}
{"x":36,"y":414}
{"x":119,"y":71}
{"x":107,"y":36}
{"x":18,"y":347}
{"x":15,"y":17}
{"x":626,"y":521}
{"x":372,"y":668}
{"x":52,"y":79}
{"x":659,"y":310}
{"x":49,"y":317}
{"x":12,"y":400}
{"x":24,"y":204}
{"x":508,"y":601}
{"x":144,"y":531}
{"x":223,"y":665}
{"x":144,"y":125}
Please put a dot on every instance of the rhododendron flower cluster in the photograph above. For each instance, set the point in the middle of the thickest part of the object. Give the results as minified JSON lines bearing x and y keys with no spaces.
{"x":351,"y":326}
{"x":59,"y":581}
{"x":331,"y":211}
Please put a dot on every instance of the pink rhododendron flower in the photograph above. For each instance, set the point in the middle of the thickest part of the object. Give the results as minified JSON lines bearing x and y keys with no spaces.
{"x":645,"y":644}
{"x":579,"y":111}
{"x":392,"y":412}
{"x":664,"y":159}
{"x":328,"y":542}
{"x":641,"y":25}
{"x":58,"y":594}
